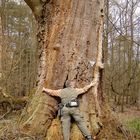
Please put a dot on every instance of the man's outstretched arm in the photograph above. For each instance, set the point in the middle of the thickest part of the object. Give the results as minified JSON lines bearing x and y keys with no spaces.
{"x":52,"y":92}
{"x":86,"y":88}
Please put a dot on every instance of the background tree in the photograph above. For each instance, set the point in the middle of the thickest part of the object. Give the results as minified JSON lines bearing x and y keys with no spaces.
{"x":122,"y":65}
{"x":18,"y":53}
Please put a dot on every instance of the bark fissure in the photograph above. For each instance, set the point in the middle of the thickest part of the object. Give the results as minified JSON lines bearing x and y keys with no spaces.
{"x":65,"y":82}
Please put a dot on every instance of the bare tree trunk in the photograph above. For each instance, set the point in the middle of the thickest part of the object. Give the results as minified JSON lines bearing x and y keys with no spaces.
{"x":0,"y":49}
{"x":70,"y":39}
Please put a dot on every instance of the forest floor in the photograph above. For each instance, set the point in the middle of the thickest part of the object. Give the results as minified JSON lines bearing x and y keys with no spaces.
{"x":129,"y":113}
{"x":130,"y":118}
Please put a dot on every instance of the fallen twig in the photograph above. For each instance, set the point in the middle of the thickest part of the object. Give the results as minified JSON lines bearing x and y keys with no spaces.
{"x":8,"y":112}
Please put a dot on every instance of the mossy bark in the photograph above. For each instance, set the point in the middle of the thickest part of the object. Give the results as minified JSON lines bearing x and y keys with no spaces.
{"x":68,"y":37}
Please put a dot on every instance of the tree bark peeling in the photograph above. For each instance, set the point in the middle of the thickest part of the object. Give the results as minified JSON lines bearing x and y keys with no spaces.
{"x":69,"y":37}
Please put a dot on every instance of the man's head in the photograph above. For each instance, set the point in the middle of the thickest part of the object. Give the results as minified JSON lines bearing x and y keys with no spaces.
{"x":70,"y":84}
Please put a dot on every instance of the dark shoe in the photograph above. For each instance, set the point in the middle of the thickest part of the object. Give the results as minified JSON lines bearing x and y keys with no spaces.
{"x":89,"y":138}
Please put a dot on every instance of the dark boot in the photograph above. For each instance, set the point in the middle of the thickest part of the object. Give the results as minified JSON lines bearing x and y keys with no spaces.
{"x":89,"y":138}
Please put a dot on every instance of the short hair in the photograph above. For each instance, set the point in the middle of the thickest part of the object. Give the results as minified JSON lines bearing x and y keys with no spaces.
{"x":67,"y":84}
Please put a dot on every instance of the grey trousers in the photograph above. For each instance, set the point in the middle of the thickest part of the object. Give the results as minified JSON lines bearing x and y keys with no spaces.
{"x":74,"y":112}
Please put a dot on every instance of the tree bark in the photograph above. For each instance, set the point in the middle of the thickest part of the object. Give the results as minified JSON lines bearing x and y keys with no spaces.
{"x":70,"y":39}
{"x":0,"y":49}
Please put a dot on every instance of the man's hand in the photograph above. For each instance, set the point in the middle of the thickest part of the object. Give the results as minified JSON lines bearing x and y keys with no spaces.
{"x":101,"y":65}
{"x":44,"y":89}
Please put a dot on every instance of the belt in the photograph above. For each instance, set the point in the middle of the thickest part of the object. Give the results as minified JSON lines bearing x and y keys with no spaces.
{"x":72,"y":103}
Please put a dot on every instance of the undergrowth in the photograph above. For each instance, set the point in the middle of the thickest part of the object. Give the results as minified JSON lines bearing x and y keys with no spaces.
{"x":134,"y":125}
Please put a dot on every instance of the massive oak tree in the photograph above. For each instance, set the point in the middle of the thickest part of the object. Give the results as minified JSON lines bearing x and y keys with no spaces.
{"x":69,"y":41}
{"x":0,"y":50}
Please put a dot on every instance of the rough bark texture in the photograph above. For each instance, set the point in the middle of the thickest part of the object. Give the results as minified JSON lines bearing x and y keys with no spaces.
{"x":0,"y":50}
{"x":69,"y":34}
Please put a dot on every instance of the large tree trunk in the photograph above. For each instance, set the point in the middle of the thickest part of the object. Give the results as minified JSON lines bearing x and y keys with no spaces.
{"x":0,"y":49}
{"x":69,"y":37}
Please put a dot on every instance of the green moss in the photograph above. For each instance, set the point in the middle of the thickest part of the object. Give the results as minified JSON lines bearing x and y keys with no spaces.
{"x":134,"y":125}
